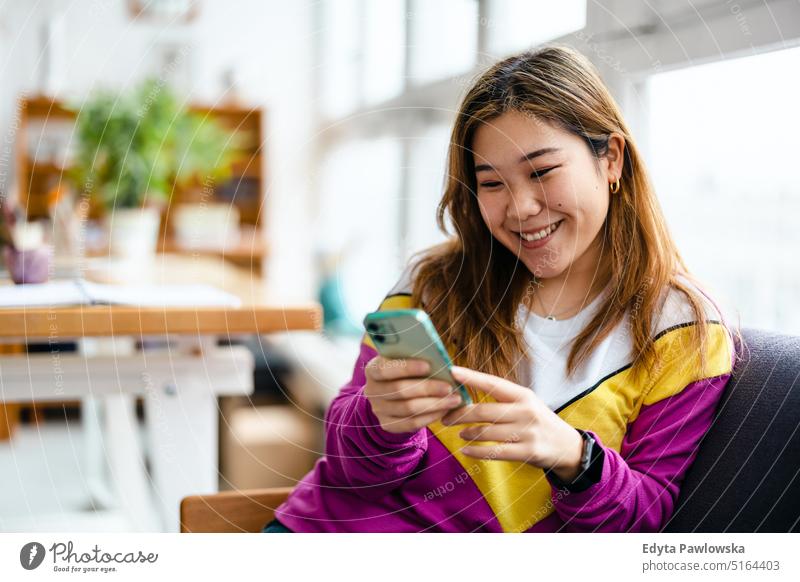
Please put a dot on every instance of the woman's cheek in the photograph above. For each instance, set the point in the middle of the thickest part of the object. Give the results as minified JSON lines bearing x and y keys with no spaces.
{"x":485,"y":209}
{"x":492,"y":213}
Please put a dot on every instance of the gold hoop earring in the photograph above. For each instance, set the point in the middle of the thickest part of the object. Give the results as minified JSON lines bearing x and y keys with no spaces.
{"x":615,"y":187}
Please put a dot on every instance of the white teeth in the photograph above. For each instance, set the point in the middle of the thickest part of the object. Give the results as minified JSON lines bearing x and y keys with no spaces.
{"x":541,"y":234}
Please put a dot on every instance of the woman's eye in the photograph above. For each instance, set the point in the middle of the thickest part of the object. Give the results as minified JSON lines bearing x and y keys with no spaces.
{"x":491,"y":184}
{"x":540,"y":173}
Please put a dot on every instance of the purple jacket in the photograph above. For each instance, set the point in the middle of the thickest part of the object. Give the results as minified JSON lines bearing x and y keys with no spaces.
{"x":370,"y":480}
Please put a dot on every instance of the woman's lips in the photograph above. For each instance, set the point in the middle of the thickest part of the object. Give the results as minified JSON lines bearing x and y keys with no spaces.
{"x":535,"y":244}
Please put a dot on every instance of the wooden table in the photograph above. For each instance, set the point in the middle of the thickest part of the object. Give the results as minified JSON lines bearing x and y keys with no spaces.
{"x":179,"y":376}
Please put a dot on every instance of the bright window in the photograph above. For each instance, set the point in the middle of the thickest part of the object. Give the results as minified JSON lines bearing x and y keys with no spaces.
{"x":426,"y":170}
{"x":340,"y":56}
{"x":444,"y":38}
{"x":724,"y":152}
{"x":384,"y":49}
{"x":357,"y":224}
{"x":515,"y":25}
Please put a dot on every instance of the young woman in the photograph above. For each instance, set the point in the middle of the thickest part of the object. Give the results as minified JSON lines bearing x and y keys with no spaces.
{"x":595,"y":361}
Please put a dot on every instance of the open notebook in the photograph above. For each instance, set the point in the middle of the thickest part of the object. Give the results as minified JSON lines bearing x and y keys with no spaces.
{"x":81,"y":292}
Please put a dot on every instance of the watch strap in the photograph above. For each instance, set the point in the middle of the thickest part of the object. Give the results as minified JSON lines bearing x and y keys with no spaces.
{"x":591,"y":471}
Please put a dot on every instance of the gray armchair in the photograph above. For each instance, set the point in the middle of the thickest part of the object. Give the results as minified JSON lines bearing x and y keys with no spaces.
{"x":746,"y":477}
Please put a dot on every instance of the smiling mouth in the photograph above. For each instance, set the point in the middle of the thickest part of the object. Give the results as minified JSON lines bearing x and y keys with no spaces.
{"x":544,"y":233}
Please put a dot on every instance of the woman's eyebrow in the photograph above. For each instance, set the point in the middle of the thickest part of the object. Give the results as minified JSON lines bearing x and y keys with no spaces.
{"x":526,"y":158}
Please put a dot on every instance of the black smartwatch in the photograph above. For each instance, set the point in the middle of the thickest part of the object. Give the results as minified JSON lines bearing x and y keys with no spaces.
{"x":591,"y":469}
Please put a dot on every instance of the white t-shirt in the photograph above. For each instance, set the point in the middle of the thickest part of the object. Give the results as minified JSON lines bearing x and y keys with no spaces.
{"x":550,"y":343}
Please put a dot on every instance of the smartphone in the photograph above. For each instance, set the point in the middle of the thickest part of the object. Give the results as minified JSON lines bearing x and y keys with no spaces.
{"x":409,"y":333}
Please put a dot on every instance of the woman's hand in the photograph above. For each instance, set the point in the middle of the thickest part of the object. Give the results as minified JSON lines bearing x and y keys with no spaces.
{"x":402,"y":397}
{"x":524,"y":428}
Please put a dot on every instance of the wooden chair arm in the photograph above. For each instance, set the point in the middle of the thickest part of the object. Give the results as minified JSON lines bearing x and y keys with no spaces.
{"x":231,"y":511}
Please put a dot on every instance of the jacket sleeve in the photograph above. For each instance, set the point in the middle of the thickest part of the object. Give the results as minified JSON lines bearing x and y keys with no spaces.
{"x":639,"y":485}
{"x":360,"y":454}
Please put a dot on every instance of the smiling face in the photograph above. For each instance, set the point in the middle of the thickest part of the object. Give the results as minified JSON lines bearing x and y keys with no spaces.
{"x":543,"y":194}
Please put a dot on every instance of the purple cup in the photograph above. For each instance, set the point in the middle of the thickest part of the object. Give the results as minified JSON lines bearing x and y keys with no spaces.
{"x":28,"y":266}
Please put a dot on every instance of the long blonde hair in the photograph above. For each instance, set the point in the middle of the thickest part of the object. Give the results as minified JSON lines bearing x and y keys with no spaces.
{"x":472,"y":288}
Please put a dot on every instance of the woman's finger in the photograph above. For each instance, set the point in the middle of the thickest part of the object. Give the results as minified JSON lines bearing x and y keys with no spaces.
{"x":415,"y":388}
{"x":383,"y":369}
{"x":409,"y":424}
{"x":495,"y":412}
{"x":491,"y":432}
{"x":502,"y":390}
{"x":416,"y":406}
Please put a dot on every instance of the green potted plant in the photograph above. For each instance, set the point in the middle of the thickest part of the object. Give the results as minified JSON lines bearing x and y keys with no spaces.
{"x":132,"y":151}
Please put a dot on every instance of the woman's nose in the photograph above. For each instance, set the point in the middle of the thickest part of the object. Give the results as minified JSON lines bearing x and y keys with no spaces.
{"x":525,"y":202}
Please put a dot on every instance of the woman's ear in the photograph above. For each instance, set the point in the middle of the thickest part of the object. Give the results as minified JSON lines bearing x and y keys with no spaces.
{"x":615,"y":156}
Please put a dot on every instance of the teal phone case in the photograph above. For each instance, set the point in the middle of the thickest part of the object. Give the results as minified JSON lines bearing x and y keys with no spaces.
{"x":410,"y":333}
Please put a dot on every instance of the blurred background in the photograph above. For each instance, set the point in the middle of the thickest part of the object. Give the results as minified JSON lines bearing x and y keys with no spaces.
{"x":305,"y":146}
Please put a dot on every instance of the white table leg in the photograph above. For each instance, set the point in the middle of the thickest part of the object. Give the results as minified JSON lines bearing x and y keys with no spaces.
{"x":94,"y":466}
{"x":181,"y":428}
{"x":127,"y":462}
{"x":119,"y":441}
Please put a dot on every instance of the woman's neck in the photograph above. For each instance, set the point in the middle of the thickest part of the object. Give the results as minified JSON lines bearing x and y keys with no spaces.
{"x":565,"y":297}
